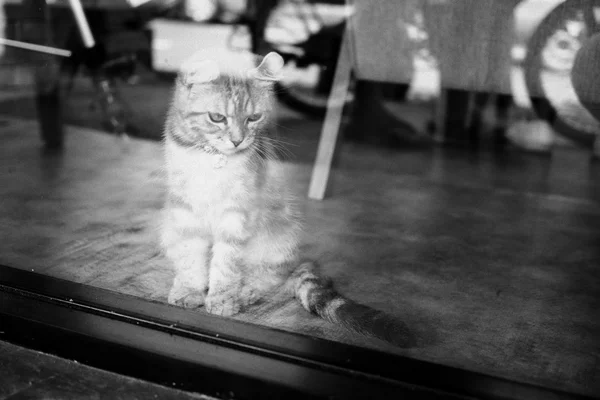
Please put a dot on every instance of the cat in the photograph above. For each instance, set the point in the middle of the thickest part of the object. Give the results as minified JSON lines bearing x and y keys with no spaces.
{"x":232,"y":228}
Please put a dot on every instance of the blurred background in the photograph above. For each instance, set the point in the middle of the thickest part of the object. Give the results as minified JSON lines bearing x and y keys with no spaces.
{"x":142,"y":43}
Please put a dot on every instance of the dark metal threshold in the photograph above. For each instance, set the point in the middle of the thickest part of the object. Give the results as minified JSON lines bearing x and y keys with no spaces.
{"x":218,"y":356}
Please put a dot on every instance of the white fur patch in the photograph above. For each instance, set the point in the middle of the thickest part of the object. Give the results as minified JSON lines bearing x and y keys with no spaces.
{"x":232,"y":225}
{"x":222,"y":251}
{"x":181,"y":217}
{"x":303,"y":294}
{"x":265,"y":249}
{"x":335,"y":304}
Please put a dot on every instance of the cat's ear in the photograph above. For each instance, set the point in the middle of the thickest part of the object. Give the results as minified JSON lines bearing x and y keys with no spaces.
{"x":269,"y":69}
{"x":199,"y":72}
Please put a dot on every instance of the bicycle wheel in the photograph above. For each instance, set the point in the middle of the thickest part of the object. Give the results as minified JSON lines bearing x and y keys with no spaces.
{"x":306,"y":89}
{"x":551,"y":52}
{"x":310,"y":55}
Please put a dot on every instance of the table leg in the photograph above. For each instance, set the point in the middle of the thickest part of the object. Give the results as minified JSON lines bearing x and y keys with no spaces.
{"x":331,"y":126}
{"x":46,"y":74}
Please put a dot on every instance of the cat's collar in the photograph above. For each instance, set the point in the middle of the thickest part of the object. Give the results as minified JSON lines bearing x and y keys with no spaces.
{"x":219,"y":159}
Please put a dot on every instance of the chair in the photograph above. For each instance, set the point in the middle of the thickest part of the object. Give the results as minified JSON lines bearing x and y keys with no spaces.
{"x":376,"y":47}
{"x":365,"y":54}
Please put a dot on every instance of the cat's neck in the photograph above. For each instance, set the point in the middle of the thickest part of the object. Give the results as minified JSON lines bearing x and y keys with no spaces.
{"x":209,"y":160}
{"x":219,"y":160}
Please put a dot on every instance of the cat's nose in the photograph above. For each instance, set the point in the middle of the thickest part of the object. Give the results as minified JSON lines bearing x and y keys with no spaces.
{"x":236,"y":142}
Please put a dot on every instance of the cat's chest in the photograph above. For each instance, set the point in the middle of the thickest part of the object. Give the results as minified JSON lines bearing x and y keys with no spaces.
{"x":205,"y":184}
{"x":205,"y":187}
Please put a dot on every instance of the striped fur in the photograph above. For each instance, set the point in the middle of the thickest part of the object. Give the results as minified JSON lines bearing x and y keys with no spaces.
{"x":231,"y":227}
{"x":317,"y":295}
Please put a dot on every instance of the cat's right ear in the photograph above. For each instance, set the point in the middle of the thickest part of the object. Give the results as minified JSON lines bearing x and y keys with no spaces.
{"x":269,"y":70}
{"x":198,"y":72}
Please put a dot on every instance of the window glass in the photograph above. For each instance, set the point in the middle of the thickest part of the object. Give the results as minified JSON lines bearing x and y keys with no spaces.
{"x":416,"y":177}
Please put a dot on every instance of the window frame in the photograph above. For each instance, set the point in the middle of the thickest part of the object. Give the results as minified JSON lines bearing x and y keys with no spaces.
{"x":217,"y":356}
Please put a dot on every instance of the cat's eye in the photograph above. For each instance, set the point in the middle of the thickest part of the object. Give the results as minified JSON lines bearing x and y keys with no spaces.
{"x":216,"y":117}
{"x":254,"y":117}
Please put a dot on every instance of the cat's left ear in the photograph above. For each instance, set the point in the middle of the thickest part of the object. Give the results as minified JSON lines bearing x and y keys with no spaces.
{"x":269,"y":69}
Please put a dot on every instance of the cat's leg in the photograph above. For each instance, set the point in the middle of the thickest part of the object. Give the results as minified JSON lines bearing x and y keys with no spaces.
{"x":264,"y":281}
{"x":270,"y":257}
{"x":187,"y":248}
{"x":226,"y":266}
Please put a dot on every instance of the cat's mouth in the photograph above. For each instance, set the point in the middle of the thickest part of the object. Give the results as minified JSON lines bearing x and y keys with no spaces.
{"x":231,"y":148}
{"x":230,"y":151}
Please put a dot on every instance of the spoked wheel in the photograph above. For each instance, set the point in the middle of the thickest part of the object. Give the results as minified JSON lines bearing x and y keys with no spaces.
{"x":309,"y":36}
{"x":309,"y":71}
{"x":306,"y":89}
{"x":551,"y":52}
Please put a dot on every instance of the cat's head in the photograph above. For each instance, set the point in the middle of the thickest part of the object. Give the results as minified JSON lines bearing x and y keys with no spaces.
{"x":227,"y":101}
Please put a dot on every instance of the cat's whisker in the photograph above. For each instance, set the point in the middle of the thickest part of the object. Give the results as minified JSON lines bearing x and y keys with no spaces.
{"x":272,"y":124}
{"x":265,"y":156}
{"x":276,"y":144}
{"x":278,"y":89}
{"x":287,"y":128}
{"x":276,"y":139}
{"x":281,"y":148}
{"x":279,"y":141}
{"x":287,"y":154}
{"x":270,"y":156}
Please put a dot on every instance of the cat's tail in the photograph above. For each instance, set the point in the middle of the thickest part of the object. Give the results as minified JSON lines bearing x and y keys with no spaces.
{"x":318,"y":296}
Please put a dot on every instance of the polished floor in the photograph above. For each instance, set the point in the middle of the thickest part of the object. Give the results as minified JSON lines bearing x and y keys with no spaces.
{"x":491,"y":260}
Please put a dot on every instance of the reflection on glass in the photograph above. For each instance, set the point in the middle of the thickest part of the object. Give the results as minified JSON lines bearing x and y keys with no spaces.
{"x":443,"y":235}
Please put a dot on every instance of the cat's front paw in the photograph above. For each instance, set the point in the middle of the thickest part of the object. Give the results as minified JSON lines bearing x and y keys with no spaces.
{"x":186,"y":297}
{"x":224,"y":304}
